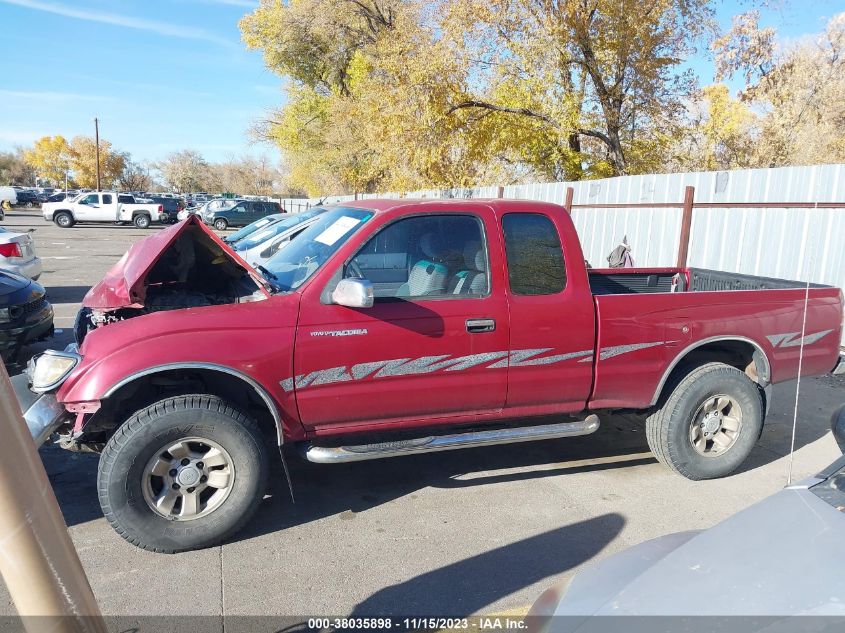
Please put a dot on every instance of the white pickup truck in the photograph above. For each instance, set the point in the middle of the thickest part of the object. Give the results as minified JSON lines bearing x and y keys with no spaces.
{"x":104,"y":206}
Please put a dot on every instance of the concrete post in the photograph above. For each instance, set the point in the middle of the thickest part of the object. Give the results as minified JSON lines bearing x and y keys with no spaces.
{"x":37,"y":558}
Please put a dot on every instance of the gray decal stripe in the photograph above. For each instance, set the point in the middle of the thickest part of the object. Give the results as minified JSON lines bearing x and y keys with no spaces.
{"x":465,"y":362}
{"x":517,"y":356}
{"x":548,"y":360}
{"x":610,"y":352}
{"x":793,"y":339}
{"x":430,"y":364}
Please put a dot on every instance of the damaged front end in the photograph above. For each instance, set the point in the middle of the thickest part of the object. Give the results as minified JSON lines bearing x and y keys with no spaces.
{"x":184,"y":266}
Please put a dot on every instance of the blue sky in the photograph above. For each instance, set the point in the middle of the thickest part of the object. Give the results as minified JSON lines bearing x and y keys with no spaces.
{"x":165,"y":75}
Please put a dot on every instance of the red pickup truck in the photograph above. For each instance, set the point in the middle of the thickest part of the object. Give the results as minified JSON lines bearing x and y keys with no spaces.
{"x":396,"y":327}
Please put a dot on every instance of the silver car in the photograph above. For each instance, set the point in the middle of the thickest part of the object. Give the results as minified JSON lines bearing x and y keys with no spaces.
{"x":781,"y":557}
{"x":17,"y":254}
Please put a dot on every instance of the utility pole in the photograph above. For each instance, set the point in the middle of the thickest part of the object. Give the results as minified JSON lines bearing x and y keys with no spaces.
{"x":97,"y":144}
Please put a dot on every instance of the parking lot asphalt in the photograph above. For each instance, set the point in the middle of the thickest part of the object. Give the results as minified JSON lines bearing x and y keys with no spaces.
{"x":463,"y":532}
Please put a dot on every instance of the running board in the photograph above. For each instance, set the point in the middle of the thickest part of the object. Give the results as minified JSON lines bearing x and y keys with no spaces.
{"x":362,"y":452}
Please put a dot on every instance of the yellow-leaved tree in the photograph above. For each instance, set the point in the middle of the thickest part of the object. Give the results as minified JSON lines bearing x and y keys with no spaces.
{"x":83,"y":162}
{"x":50,"y":156}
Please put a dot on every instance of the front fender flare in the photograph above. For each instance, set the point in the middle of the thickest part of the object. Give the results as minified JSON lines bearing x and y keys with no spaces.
{"x":255,"y":385}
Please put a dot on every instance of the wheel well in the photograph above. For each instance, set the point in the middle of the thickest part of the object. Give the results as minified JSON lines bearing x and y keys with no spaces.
{"x":140,"y":212}
{"x":739,"y":353}
{"x":58,"y":211}
{"x":145,"y":390}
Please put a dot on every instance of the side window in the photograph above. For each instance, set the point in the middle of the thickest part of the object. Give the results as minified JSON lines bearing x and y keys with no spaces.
{"x":240,"y":209}
{"x":425,"y":256}
{"x":534,"y":253}
{"x":90,"y":199}
{"x":107,"y":198}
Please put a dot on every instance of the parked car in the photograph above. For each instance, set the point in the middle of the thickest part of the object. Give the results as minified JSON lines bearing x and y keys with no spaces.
{"x":262,"y":245}
{"x":27,"y":198}
{"x":9,"y":194}
{"x":61,"y":196}
{"x":249,"y":228}
{"x":25,"y":313}
{"x":395,"y":327}
{"x":105,"y":206}
{"x":172,"y":207}
{"x":242,"y":213}
{"x":779,"y":558}
{"x":17,"y":254}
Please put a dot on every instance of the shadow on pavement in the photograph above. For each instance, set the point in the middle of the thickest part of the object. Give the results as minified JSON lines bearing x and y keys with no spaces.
{"x":481,"y":580}
{"x":347,"y":489}
{"x":66,"y":294}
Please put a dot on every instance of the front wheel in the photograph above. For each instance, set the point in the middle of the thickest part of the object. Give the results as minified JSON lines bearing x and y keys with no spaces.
{"x":220,"y":224}
{"x":708,"y":424}
{"x":63,"y":219}
{"x":141,"y":221}
{"x":182,"y":474}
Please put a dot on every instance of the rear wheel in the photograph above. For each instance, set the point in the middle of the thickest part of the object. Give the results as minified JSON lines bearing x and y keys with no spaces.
{"x":221,"y":224}
{"x":63,"y":219}
{"x":708,"y":424}
{"x":141,"y":221}
{"x":182,"y":474}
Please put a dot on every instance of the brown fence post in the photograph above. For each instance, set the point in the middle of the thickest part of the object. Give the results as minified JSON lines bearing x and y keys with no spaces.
{"x":686,"y":226}
{"x":37,"y":559}
{"x":570,"y":194}
{"x":500,"y":192}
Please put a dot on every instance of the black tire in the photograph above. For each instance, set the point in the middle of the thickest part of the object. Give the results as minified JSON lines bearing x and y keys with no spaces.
{"x":64,"y":220}
{"x":142,"y":221}
{"x":221,"y":224}
{"x":121,"y":473}
{"x":668,"y":429}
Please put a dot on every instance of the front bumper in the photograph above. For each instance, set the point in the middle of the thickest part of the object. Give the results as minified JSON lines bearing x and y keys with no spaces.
{"x":39,"y":328}
{"x":42,"y":412}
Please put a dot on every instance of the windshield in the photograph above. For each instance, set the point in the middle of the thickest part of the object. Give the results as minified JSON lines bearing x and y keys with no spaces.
{"x":273,"y":229}
{"x":294,"y":265}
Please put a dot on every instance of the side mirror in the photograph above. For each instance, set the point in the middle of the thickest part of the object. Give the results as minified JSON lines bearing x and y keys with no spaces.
{"x":353,"y":293}
{"x":837,"y":425}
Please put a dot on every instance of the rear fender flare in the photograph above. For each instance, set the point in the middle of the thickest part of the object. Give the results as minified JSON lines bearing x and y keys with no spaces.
{"x":255,"y":385}
{"x":760,"y":358}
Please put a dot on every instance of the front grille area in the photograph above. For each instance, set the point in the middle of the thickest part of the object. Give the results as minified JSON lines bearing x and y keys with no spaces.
{"x":28,"y":309}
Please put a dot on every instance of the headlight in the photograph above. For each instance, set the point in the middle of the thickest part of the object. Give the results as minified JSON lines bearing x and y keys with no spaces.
{"x":48,"y":370}
{"x":4,"y":315}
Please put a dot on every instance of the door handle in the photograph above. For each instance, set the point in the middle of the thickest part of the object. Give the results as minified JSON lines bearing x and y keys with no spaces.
{"x":476,"y":326}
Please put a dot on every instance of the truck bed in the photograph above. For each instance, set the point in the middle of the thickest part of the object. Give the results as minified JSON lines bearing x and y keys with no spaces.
{"x":620,"y":281}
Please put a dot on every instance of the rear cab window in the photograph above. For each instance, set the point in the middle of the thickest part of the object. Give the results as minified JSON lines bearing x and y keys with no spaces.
{"x":534,"y":254}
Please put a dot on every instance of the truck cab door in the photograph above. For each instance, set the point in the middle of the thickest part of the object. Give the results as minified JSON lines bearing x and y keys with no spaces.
{"x":433,"y":346}
{"x":88,"y":208}
{"x":108,"y":208}
{"x":553,"y":328}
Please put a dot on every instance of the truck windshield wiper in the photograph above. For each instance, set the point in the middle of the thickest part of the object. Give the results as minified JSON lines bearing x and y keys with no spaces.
{"x":267,"y":273}
{"x":270,"y":277}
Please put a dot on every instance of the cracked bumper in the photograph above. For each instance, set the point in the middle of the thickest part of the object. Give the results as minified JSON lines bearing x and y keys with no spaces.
{"x":42,"y":412}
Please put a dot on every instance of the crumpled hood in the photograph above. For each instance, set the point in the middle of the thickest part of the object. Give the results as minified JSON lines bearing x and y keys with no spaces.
{"x":123,"y":285}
